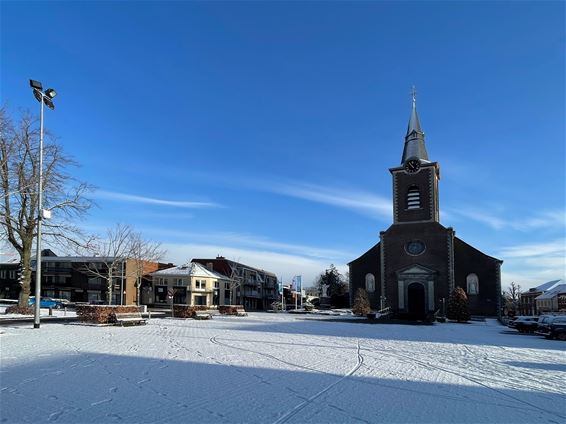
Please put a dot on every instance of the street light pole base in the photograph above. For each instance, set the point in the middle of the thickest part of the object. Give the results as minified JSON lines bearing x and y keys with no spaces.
{"x":35,"y":325}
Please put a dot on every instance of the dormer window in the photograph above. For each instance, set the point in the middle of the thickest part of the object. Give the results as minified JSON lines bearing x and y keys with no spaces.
{"x":413,"y":198}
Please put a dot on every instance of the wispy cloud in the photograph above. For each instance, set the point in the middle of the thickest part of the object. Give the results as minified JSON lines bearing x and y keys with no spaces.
{"x":552,"y":248}
{"x":132,"y":198}
{"x":244,"y":240}
{"x":534,"y":263}
{"x":367,"y":203}
{"x":543,"y":219}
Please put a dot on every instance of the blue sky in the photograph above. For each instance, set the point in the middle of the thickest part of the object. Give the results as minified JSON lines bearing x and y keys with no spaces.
{"x":263,"y":131}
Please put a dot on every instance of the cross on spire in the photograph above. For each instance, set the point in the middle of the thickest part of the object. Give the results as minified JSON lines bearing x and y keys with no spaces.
{"x":414,"y":95}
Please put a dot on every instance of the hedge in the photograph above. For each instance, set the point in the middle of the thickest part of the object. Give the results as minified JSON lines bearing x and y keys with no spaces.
{"x":16,"y":309}
{"x":102,"y":314}
{"x":231,"y":310}
{"x":188,"y":311}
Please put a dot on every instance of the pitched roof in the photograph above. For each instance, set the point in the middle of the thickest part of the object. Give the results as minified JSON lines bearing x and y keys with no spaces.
{"x":546,"y":286}
{"x":554,"y":291}
{"x":190,"y":269}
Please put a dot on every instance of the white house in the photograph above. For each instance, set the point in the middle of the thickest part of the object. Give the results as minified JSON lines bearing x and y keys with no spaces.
{"x":191,"y":284}
{"x":549,"y":300}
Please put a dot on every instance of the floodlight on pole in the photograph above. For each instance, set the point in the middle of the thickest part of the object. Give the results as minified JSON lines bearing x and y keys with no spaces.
{"x":43,"y":98}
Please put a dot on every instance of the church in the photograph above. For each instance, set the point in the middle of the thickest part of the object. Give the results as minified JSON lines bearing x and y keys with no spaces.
{"x":417,"y":261}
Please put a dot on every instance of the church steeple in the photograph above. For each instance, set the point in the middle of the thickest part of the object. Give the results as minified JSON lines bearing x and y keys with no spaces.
{"x":414,"y":139}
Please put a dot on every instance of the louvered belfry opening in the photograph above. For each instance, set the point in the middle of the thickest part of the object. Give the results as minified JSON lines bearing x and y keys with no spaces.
{"x":413,"y":198}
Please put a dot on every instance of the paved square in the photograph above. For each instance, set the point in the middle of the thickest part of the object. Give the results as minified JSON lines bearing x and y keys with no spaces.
{"x":277,"y":368}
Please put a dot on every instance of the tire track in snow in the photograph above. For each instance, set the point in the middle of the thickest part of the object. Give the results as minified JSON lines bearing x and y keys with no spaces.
{"x":215,"y":341}
{"x":286,"y":417}
{"x":465,"y":377}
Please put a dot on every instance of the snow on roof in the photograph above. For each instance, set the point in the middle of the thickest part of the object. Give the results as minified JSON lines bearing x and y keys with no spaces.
{"x":546,"y":286}
{"x":190,"y":269}
{"x":558,"y":288}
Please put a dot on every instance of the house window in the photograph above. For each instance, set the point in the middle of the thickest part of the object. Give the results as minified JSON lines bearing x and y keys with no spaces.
{"x":216,"y":285}
{"x":200,"y":284}
{"x":413,"y":198}
{"x":179,"y":282}
{"x":370,"y":283}
{"x":12,"y":275}
{"x":473,"y":284}
{"x":3,"y":273}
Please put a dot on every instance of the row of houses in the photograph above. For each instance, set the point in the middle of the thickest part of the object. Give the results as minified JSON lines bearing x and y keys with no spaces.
{"x":216,"y":281}
{"x":545,"y":298}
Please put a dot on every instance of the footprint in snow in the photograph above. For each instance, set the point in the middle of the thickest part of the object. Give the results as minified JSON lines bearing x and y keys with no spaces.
{"x":100,"y":402}
{"x":54,"y":416}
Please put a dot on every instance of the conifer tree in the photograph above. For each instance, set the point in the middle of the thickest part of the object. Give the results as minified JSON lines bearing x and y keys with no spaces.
{"x":361,"y":303}
{"x":458,"y":306}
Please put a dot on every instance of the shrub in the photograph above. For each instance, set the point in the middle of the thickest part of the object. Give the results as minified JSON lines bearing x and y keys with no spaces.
{"x":458,"y":306}
{"x":361,"y":303}
{"x":22,"y":310}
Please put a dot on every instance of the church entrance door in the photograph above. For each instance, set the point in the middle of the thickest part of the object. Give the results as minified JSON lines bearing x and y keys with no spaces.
{"x":416,"y":304}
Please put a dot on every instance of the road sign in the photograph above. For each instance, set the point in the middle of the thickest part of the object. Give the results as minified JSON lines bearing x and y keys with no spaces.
{"x":171,"y":292}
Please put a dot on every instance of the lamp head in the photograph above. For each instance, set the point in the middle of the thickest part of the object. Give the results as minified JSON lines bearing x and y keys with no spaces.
{"x":36,"y":85}
{"x":48,"y":102}
{"x":50,"y":93}
{"x":38,"y":95}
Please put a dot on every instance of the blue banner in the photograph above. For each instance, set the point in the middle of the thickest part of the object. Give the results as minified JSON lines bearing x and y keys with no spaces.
{"x":297,"y":283}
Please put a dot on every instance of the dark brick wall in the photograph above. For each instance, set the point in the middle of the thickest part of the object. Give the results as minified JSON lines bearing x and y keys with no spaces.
{"x":369,"y":262}
{"x":426,"y":182}
{"x":435,"y":257}
{"x":469,"y":260}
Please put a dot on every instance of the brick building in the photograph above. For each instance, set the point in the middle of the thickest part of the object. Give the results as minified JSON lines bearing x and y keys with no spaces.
{"x":255,"y":289}
{"x":66,"y":277}
{"x":417,"y":261}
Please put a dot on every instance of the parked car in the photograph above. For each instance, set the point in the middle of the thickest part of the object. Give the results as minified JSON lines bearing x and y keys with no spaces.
{"x":48,"y":302}
{"x":552,"y":326}
{"x":524,"y":324}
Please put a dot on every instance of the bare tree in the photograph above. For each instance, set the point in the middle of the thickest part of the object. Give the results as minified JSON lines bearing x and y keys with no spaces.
{"x":512,"y":296}
{"x":19,"y":203}
{"x":111,"y":253}
{"x":142,"y":252}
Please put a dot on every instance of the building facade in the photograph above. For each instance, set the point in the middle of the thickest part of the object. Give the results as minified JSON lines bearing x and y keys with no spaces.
{"x":255,"y":289}
{"x":73,"y":278}
{"x":417,"y":261}
{"x":190,"y":284}
{"x":528,"y":304}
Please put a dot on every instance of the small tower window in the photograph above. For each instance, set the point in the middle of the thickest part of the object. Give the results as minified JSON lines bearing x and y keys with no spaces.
{"x":413,"y":198}
{"x":370,"y":283}
{"x":473,"y":284}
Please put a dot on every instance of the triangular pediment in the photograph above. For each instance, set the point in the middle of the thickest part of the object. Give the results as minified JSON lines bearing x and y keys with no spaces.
{"x":415,"y":269}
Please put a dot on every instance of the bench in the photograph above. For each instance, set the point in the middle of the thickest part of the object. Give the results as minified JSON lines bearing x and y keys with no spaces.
{"x":129,"y":318}
{"x":202,"y":315}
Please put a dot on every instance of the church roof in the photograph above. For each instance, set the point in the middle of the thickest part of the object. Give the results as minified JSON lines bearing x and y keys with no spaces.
{"x":414,"y":139}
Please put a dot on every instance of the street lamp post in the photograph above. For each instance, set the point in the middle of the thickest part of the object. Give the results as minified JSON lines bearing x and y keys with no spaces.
{"x":43,"y":98}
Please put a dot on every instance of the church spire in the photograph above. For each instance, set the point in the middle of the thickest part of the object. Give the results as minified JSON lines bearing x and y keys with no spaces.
{"x":414,"y":139}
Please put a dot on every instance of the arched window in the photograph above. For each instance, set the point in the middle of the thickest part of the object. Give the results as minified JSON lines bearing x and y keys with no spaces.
{"x":370,"y":283}
{"x":413,"y":198}
{"x":473,"y":284}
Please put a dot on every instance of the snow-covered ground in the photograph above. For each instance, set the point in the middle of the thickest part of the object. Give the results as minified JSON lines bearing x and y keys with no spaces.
{"x":278,"y":368}
{"x":44,"y":313}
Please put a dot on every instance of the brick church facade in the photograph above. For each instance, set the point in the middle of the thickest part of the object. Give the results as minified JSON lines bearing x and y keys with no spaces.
{"x":417,"y":261}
